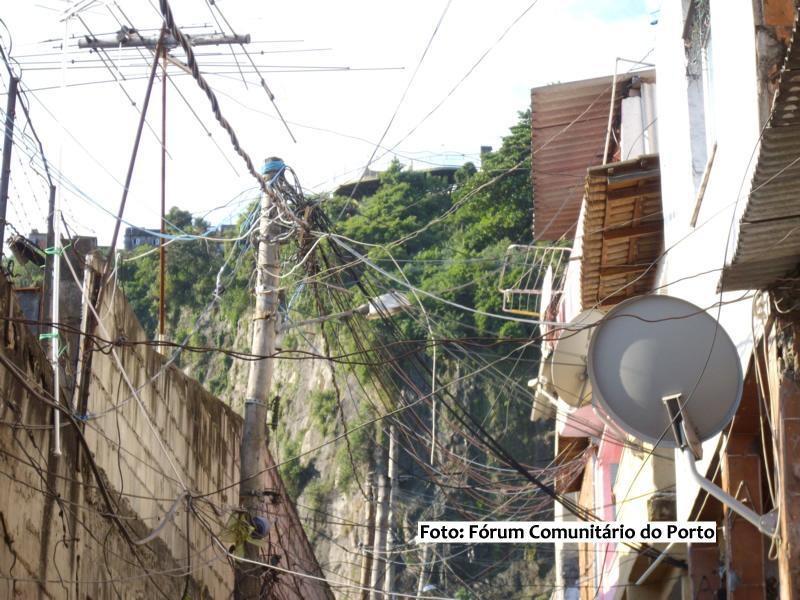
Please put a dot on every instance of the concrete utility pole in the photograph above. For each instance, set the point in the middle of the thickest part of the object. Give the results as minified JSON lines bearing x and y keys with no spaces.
{"x":255,"y":435}
{"x":423,"y":569}
{"x":381,"y":514}
{"x":391,"y":566}
{"x":369,"y":543}
{"x":8,"y":144}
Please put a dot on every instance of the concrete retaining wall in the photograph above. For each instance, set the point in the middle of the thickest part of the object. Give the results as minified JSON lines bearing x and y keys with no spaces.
{"x":57,"y":536}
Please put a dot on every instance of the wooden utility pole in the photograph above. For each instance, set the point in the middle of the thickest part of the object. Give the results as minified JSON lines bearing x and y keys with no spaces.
{"x":788,"y":435}
{"x":255,"y":435}
{"x":783,"y":375}
{"x":8,"y":144}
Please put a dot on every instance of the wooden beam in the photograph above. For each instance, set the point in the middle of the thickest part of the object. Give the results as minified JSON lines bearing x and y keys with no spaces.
{"x":741,"y":476}
{"x":788,"y":437}
{"x":744,"y":544}
{"x":622,"y":269}
{"x":568,"y":449}
{"x":648,"y":228}
{"x":616,"y":298}
{"x":704,"y":562}
{"x":631,"y":192}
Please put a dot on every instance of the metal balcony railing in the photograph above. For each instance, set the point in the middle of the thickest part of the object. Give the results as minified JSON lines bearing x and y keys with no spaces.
{"x":532,"y":277}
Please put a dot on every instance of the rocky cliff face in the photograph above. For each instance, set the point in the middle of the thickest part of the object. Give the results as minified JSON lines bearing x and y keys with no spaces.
{"x":329,"y":499}
{"x":330,"y":479}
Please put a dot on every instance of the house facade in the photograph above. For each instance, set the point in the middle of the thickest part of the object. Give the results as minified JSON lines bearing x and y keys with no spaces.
{"x":135,"y":237}
{"x":686,"y":184}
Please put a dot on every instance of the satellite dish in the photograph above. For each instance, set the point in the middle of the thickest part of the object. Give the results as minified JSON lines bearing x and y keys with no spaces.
{"x":666,"y":372}
{"x":569,"y":371}
{"x":651,"y":348}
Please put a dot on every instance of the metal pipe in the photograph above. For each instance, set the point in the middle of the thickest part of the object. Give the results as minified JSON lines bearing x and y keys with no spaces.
{"x":8,"y":144}
{"x":659,"y":559}
{"x":47,"y":283}
{"x":701,"y":191}
{"x":611,"y":112}
{"x":433,"y":397}
{"x":112,"y":247}
{"x":162,"y":249}
{"x":55,"y":290}
{"x":55,"y":312}
{"x":766,"y":524}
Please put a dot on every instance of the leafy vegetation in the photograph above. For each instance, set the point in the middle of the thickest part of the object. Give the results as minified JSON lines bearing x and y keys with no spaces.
{"x":456,"y":257}
{"x":191,"y":273}
{"x":324,"y":410}
{"x":355,"y":452}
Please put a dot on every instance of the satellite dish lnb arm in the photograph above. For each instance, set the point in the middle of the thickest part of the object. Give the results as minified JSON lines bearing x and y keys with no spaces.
{"x":689,"y":444}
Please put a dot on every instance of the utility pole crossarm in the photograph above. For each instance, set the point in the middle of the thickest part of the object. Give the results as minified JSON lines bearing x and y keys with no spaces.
{"x":130,"y":38}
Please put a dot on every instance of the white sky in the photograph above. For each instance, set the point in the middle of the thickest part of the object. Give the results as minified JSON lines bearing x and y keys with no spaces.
{"x":557,"y":40}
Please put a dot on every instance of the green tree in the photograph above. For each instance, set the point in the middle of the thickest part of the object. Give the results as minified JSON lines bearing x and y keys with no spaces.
{"x":192,"y":266}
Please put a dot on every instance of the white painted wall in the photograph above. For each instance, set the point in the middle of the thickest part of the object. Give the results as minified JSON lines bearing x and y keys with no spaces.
{"x":694,"y":256}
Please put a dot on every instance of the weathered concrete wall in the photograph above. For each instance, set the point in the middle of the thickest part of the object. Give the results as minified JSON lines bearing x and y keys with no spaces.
{"x":57,"y":540}
{"x":196,"y":435}
{"x":169,"y":436}
{"x":150,"y":449}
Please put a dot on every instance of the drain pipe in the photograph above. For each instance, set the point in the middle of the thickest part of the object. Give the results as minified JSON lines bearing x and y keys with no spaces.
{"x":655,"y":563}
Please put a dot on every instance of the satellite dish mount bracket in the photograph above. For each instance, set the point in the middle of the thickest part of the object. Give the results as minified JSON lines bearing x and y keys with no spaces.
{"x":692,"y":450}
{"x":682,"y":428}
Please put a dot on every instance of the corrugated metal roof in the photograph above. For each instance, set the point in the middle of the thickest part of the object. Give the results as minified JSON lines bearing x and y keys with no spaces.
{"x":623,"y":231}
{"x":568,"y":131}
{"x":768,"y":247}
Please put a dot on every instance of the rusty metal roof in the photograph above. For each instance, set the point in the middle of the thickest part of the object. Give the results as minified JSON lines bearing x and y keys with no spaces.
{"x":623,"y":231}
{"x":768,"y":247}
{"x":568,"y":131}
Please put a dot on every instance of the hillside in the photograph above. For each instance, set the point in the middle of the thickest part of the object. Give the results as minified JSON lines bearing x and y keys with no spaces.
{"x":445,"y":240}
